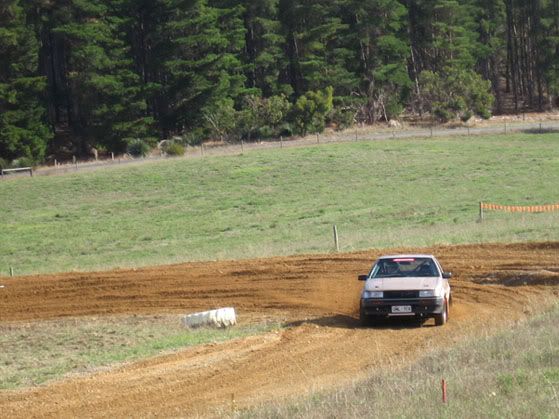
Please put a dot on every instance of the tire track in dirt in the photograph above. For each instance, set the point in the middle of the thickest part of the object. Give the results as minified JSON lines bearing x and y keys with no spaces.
{"x":321,"y":347}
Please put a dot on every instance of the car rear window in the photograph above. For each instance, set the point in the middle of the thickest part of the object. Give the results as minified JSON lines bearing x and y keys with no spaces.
{"x":404,"y":267}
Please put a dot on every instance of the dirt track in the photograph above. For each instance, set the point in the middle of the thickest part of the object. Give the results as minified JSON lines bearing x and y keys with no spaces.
{"x":316,"y":295}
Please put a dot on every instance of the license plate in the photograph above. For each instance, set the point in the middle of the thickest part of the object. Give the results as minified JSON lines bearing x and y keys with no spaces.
{"x":401,"y":309}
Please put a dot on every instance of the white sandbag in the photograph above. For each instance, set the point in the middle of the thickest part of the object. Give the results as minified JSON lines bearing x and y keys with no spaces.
{"x":222,"y":317}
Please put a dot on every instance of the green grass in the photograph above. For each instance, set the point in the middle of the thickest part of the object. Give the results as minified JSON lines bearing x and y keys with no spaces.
{"x":34,"y":353}
{"x":511,"y":374}
{"x":282,"y":201}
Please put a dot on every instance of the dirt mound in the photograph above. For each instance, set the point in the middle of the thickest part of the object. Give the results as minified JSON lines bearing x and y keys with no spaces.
{"x":317,"y":296}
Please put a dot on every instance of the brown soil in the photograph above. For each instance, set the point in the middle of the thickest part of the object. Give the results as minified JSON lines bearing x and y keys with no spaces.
{"x":317,"y":296}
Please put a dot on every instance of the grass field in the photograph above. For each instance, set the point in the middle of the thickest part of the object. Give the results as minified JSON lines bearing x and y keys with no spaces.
{"x":34,"y":353}
{"x":514,"y":374}
{"x":282,"y":201}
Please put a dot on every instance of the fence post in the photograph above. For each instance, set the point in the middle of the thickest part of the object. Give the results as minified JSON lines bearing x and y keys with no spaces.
{"x":317,"y":138}
{"x":541,"y":130}
{"x":480,"y":212}
{"x":242,"y":146}
{"x":11,"y":271}
{"x":31,"y":171}
{"x":336,"y":241}
{"x":281,"y":141}
{"x":112,"y":156}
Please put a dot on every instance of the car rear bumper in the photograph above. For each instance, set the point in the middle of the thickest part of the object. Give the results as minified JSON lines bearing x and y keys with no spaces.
{"x":421,"y":307}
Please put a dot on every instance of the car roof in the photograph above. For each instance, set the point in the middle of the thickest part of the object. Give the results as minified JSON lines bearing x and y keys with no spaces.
{"x":406,"y":256}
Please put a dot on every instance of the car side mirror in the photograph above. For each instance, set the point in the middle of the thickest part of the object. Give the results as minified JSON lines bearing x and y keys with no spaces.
{"x":447,"y":275}
{"x":363,"y":277}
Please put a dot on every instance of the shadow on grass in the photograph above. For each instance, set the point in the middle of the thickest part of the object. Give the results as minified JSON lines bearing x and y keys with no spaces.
{"x":347,"y":322}
{"x":540,"y":131}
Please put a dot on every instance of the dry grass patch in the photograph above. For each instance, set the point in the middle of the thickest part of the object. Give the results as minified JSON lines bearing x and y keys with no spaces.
{"x":34,"y":353}
{"x":512,"y":374}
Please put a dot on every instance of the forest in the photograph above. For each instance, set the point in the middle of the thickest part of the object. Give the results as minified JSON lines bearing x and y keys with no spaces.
{"x":120,"y":75}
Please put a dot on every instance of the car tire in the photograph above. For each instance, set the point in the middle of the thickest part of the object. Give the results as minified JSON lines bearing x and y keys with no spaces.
{"x":365,"y":321}
{"x":441,"y":319}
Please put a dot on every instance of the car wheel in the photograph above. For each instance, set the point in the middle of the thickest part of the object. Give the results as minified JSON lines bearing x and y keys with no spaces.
{"x":441,"y":319}
{"x":365,"y":320}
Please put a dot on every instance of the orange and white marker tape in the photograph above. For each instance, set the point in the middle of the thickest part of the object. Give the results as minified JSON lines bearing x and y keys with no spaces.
{"x":518,"y":208}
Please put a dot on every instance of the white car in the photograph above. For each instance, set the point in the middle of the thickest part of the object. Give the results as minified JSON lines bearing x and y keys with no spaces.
{"x":406,"y":285}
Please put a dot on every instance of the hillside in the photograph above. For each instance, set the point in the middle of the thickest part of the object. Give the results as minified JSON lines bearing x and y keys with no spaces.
{"x":383,"y":193}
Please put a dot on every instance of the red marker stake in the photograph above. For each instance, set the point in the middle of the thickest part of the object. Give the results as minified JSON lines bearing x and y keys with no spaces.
{"x":443,"y":386}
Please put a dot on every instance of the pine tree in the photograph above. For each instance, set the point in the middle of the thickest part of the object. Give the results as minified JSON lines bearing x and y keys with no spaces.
{"x":548,"y":49}
{"x":491,"y":52}
{"x":550,"y":21}
{"x":107,"y":105}
{"x":454,"y":37}
{"x":144,"y":24}
{"x":105,"y":71}
{"x":24,"y":131}
{"x":442,"y":34}
{"x":378,"y":37}
{"x":263,"y":57}
{"x":446,"y":46}
{"x":200,"y":62}
{"x":317,"y":57}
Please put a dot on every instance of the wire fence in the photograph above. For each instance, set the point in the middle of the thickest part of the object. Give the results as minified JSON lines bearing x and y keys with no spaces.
{"x":356,"y":134}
